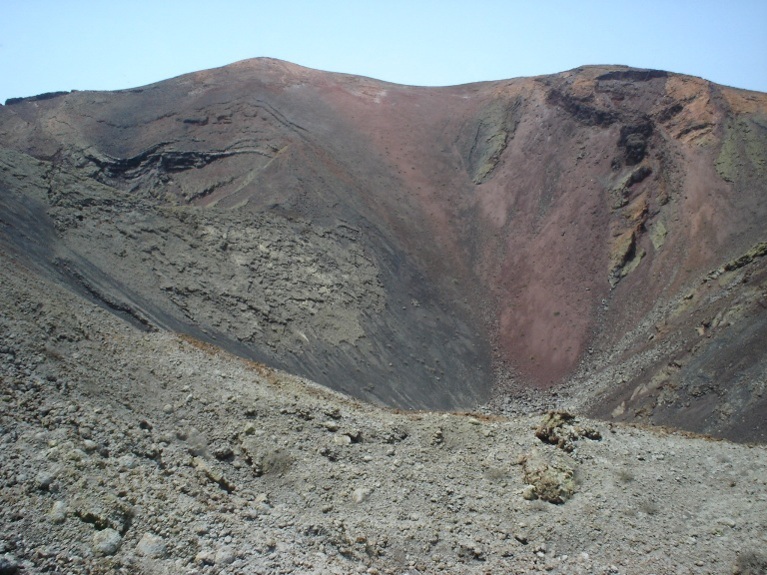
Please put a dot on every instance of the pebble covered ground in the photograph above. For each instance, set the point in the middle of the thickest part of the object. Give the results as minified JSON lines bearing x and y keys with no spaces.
{"x":123,"y":451}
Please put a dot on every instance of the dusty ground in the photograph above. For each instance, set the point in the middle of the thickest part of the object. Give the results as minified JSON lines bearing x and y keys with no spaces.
{"x":142,"y":452}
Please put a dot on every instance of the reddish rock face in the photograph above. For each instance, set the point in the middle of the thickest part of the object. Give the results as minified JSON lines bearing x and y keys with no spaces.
{"x":553,"y":227}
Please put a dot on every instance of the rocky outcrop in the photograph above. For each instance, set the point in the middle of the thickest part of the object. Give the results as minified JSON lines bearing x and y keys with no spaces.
{"x":494,"y":129}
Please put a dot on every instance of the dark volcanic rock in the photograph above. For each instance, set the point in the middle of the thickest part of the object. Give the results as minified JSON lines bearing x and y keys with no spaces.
{"x":38,"y":98}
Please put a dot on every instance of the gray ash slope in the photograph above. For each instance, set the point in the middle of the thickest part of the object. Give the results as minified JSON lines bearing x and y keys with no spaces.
{"x":296,"y":295}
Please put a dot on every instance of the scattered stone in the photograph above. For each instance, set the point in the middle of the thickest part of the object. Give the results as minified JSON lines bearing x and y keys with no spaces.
{"x":213,"y":473}
{"x":76,"y":455}
{"x":9,"y":565}
{"x":331,"y":425}
{"x":224,"y":556}
{"x":528,"y":493}
{"x":330,"y":454}
{"x":471,"y":551}
{"x":103,"y":512}
{"x":127,"y":461}
{"x":354,"y":435}
{"x":152,"y":546}
{"x":552,"y":480}
{"x":558,"y":428}
{"x":205,"y":557}
{"x":44,"y":479}
{"x":223,"y":452}
{"x":265,"y":460}
{"x":106,"y":542}
{"x":58,"y":513}
{"x":361,"y":494}
{"x":342,"y":439}
{"x":751,"y":563}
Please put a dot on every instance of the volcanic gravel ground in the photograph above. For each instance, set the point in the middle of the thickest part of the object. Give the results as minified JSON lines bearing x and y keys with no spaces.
{"x":123,"y":451}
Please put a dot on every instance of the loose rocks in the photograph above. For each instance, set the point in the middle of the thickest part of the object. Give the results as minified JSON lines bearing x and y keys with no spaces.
{"x":8,"y":564}
{"x":559,"y":428}
{"x":106,"y":542}
{"x":58,"y":513}
{"x":152,"y":545}
{"x":552,"y":481}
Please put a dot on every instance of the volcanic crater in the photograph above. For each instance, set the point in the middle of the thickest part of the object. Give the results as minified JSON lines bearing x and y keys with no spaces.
{"x":595,"y":236}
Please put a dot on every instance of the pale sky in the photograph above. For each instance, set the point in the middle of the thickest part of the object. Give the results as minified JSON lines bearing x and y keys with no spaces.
{"x":52,"y":45}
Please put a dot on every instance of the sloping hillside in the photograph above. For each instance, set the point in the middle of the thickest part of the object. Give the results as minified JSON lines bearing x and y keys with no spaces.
{"x":130,"y":452}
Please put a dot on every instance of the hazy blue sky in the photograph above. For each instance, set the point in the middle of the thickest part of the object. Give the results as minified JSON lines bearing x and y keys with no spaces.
{"x":50,"y":45}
